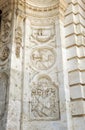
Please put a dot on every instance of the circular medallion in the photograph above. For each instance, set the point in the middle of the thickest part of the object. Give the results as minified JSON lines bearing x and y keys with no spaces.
{"x":42,"y":58}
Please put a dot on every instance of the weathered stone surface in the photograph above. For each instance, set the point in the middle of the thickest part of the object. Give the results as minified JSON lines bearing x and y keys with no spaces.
{"x":42,"y":65}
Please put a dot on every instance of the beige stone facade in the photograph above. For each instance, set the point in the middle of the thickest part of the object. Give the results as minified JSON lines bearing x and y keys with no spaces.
{"x":42,"y":65}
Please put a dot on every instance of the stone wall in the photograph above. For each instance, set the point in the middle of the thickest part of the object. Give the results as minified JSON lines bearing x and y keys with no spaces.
{"x":75,"y":44}
{"x":42,"y":65}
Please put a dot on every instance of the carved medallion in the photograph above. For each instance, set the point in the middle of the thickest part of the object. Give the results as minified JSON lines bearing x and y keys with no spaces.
{"x":44,"y":100}
{"x":42,"y":58}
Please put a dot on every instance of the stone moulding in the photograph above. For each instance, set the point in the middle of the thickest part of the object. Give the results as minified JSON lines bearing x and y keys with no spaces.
{"x":33,"y":10}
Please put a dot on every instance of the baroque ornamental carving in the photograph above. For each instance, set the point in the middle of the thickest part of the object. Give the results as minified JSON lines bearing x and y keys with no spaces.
{"x":42,"y":58}
{"x":4,"y":54}
{"x":3,"y":93}
{"x":6,"y":26}
{"x":44,"y":103}
{"x":18,"y":40}
{"x":42,"y":35}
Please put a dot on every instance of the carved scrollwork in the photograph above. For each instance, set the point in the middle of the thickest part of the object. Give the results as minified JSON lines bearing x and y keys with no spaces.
{"x":44,"y":99}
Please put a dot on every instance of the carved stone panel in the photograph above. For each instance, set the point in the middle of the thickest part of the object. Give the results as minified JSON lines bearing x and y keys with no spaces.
{"x":44,"y":103}
{"x":42,"y":35}
{"x":4,"y":54}
{"x":42,"y":58}
{"x":6,"y":26}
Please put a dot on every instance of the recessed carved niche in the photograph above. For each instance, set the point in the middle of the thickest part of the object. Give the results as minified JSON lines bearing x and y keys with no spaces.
{"x":44,"y":103}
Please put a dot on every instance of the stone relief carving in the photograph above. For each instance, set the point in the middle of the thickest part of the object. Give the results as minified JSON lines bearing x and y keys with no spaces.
{"x":18,"y":40}
{"x":42,"y":35}
{"x":5,"y":37}
{"x":6,"y":26}
{"x":44,"y":99}
{"x":4,"y":54}
{"x":3,"y":93}
{"x":42,"y":58}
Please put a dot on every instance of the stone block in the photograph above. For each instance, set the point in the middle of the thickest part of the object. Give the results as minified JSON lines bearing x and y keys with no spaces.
{"x":77,"y":92}
{"x":72,"y":64}
{"x":79,"y":123}
{"x":78,"y":107}
{"x":74,"y":77}
{"x":70,"y":30}
{"x":70,"y":40}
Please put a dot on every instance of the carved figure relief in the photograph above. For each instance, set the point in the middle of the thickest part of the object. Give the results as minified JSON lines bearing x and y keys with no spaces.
{"x":42,"y":58}
{"x":4,"y":54}
{"x":18,"y":40}
{"x":3,"y":93}
{"x":44,"y":99}
{"x":42,"y":35}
